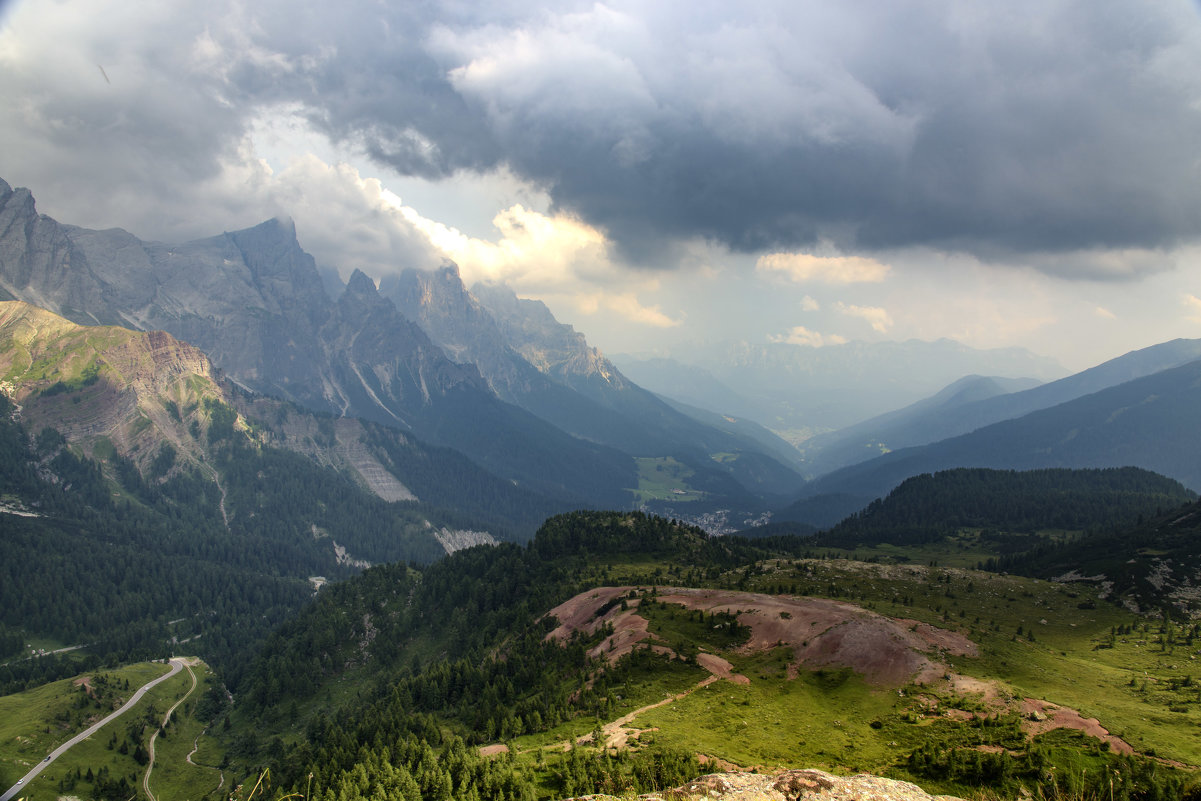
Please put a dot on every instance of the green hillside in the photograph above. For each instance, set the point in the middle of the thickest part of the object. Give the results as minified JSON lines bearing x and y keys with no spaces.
{"x":403,"y":676}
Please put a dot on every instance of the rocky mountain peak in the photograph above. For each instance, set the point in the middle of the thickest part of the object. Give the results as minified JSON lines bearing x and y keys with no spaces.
{"x":281,"y":269}
{"x":437,"y":292}
{"x":449,"y":273}
{"x":555,"y":348}
{"x":360,"y":284}
{"x":19,"y":202}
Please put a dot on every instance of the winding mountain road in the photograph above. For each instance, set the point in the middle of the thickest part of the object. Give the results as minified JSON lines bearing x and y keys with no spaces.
{"x":177,"y":665}
{"x":153,"y":737}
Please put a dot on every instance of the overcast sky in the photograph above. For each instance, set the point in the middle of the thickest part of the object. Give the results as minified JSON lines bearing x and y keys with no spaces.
{"x":1002,"y":173}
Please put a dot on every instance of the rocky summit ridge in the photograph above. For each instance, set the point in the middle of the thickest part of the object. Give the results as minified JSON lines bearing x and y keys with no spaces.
{"x":791,"y":785}
{"x":253,"y":301}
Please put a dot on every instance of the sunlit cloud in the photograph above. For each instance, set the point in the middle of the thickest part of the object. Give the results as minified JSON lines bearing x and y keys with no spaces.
{"x":347,"y":221}
{"x":1193,"y":303}
{"x":532,"y":249}
{"x":809,"y":304}
{"x":1105,"y":313}
{"x":800,"y":335}
{"x":625,"y":305}
{"x":879,"y":319}
{"x":553,"y":255}
{"x":804,"y":267}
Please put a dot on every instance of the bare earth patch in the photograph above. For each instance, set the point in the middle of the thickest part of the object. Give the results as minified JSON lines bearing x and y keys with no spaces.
{"x":494,"y":749}
{"x":721,"y":668}
{"x":820,"y":632}
{"x":1062,"y":717}
{"x":581,"y":614}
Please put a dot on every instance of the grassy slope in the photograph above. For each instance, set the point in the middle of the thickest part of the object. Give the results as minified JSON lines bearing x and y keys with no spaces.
{"x":35,"y":722}
{"x":659,"y":477}
{"x":832,"y":719}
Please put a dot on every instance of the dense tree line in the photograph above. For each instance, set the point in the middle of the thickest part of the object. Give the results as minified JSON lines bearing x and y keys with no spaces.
{"x":1131,"y":559}
{"x":458,"y":655}
{"x":128,"y":564}
{"x":927,"y":508}
{"x":1058,"y":771}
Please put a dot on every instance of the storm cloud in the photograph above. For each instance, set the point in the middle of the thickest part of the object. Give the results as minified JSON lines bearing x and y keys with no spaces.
{"x":1000,"y":130}
{"x":992,"y":129}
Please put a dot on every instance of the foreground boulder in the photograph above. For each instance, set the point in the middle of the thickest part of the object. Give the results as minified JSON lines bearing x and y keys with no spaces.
{"x":792,"y":785}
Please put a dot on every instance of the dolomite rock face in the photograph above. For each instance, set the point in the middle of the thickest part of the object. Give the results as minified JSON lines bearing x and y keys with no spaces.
{"x":792,"y":785}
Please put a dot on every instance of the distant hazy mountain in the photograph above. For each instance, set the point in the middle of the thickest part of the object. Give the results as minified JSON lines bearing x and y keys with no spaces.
{"x":440,"y":304}
{"x":692,"y":385}
{"x":798,"y":388}
{"x":638,"y":422}
{"x":743,"y":427}
{"x":1153,"y":422}
{"x":974,"y":402}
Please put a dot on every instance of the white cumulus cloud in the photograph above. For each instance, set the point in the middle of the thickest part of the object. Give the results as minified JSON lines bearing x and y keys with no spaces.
{"x":1193,"y":303}
{"x":800,"y":335}
{"x":879,"y":319}
{"x":803,"y":267}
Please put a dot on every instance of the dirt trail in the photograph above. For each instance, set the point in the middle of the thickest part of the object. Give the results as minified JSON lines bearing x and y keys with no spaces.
{"x":618,"y":732}
{"x":166,"y":719}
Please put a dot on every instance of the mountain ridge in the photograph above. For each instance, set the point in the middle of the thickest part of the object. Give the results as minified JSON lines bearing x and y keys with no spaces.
{"x":947,"y":413}
{"x":1149,"y":422}
{"x":254,"y":301}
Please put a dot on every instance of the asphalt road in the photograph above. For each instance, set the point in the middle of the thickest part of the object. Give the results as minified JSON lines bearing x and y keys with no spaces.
{"x":176,"y":666}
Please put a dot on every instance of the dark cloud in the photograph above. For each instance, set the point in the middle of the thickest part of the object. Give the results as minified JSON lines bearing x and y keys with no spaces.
{"x":998,"y":129}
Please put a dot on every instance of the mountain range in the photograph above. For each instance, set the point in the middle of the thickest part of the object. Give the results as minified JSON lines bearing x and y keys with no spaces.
{"x":158,"y":404}
{"x":547,"y":411}
{"x":525,"y":398}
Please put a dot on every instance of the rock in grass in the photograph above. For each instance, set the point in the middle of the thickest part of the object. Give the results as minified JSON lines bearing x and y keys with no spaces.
{"x":792,"y":785}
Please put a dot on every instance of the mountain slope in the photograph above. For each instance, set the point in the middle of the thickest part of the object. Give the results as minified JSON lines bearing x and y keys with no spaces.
{"x":451,"y":316}
{"x":142,"y":395}
{"x":155,"y":490}
{"x":1152,"y":422}
{"x":546,"y":367}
